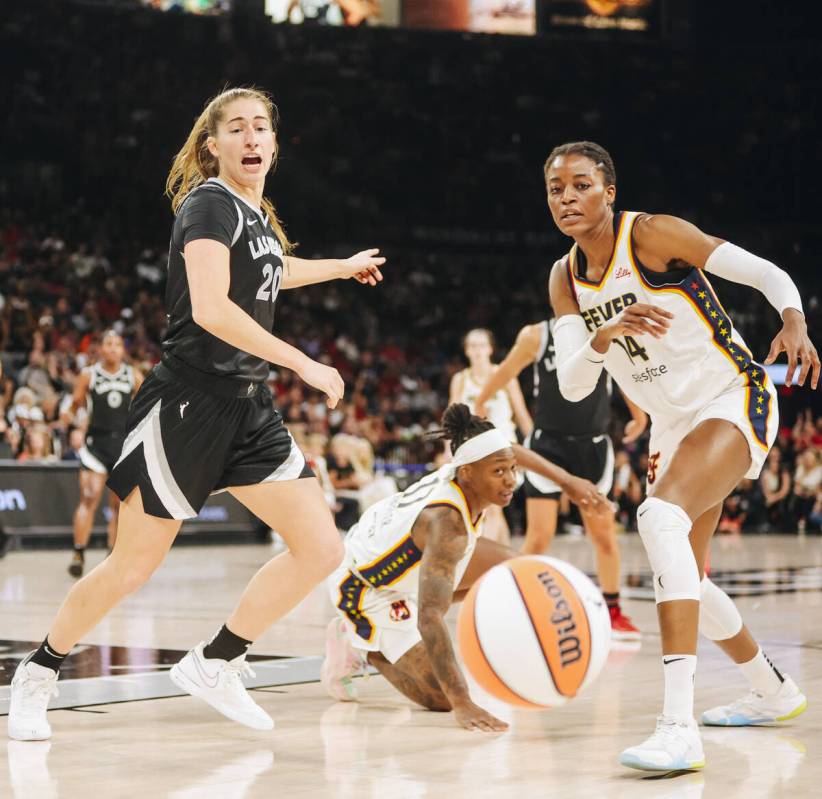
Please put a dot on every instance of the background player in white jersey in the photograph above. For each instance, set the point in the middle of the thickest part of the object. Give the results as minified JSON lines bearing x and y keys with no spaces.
{"x":632,"y":297}
{"x":573,"y":435}
{"x":106,"y":388}
{"x":503,"y":408}
{"x":415,"y":553}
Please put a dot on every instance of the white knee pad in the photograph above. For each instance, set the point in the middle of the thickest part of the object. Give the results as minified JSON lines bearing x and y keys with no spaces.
{"x":664,"y":529}
{"x":719,"y":618}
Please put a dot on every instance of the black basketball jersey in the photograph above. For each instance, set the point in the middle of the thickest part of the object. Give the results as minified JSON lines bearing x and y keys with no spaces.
{"x":109,"y":396}
{"x":555,"y":414}
{"x":214,"y":211}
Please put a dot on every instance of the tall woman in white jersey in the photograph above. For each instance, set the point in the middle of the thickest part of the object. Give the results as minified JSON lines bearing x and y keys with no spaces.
{"x":632,"y":297}
{"x":502,"y":408}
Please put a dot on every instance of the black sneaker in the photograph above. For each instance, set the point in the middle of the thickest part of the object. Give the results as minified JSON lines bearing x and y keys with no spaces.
{"x":77,"y":565}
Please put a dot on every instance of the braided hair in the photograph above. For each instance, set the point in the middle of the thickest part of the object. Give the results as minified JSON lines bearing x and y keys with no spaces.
{"x":459,"y":425}
{"x":591,"y":150}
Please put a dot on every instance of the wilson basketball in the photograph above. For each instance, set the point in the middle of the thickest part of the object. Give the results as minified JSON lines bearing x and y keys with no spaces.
{"x":534,"y":632}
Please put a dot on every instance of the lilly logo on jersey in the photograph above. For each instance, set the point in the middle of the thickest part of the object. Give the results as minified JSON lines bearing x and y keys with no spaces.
{"x":598,"y":315}
{"x":264,"y":245}
{"x":622,"y":271}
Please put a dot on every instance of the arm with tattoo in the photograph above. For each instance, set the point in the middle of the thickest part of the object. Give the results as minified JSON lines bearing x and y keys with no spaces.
{"x":446,"y":540}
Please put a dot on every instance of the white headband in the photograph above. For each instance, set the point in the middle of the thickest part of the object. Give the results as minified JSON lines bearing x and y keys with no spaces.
{"x":475,"y":449}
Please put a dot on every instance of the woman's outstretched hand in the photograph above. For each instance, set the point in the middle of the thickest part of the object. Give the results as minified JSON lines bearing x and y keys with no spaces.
{"x":364,"y":267}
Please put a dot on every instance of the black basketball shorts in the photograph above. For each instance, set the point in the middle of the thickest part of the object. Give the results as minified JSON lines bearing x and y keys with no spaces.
{"x":100,"y":452}
{"x":590,"y":458}
{"x":184,"y":442}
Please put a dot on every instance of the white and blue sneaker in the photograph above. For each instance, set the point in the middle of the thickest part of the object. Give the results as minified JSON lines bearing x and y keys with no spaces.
{"x":757,"y":708}
{"x":674,"y":746}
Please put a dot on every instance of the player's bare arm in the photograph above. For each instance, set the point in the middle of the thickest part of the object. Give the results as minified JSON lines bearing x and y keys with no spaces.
{"x":580,"y":491}
{"x":637,"y":423}
{"x":519,"y":407}
{"x":559,"y":290}
{"x":364,"y":267}
{"x":207,"y":269}
{"x":138,"y":379}
{"x":445,"y":539}
{"x":664,"y":242}
{"x":455,"y":388}
{"x":78,"y":397}
{"x":522,"y":354}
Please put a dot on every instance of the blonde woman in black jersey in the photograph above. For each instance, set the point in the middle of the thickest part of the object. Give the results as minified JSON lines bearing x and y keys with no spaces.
{"x":203,"y":419}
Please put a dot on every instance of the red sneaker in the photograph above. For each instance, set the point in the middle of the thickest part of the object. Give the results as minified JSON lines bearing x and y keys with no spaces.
{"x":621,"y":627}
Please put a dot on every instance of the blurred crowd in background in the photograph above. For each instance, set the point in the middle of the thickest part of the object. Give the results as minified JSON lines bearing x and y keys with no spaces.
{"x":58,"y":297}
{"x":428,"y":145}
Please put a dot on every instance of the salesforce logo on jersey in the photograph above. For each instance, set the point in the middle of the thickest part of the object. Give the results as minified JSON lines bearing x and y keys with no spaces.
{"x":12,"y":499}
{"x":648,"y":374}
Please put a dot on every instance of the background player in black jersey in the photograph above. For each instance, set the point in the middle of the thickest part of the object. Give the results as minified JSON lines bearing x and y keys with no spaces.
{"x":203,"y":420}
{"x":573,"y":435}
{"x":106,"y":389}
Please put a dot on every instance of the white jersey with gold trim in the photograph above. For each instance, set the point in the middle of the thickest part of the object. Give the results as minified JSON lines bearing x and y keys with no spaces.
{"x":700,"y":359}
{"x":376,"y":587}
{"x":379,"y":547}
{"x":701,"y":356}
{"x":499,"y":410}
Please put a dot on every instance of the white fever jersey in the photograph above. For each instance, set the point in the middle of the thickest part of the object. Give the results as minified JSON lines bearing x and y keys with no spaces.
{"x":499,"y":410}
{"x":381,"y":554}
{"x":698,"y":359}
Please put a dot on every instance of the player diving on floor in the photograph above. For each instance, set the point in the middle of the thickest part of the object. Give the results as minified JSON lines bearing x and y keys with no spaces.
{"x":413,"y":554}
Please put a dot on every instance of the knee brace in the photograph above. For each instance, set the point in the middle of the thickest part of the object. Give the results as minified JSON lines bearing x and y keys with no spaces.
{"x":663,"y":528}
{"x":719,"y":618}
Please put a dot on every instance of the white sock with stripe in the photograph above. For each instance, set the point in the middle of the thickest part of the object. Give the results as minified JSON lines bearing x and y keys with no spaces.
{"x":762,"y":674}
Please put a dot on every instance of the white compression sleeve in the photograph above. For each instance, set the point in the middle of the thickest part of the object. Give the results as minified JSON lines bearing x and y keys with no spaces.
{"x":740,"y":266}
{"x":579,"y":365}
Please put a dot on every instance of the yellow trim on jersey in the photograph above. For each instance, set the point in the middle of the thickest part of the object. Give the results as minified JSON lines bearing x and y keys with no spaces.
{"x":701,"y":316}
{"x":402,"y":542}
{"x":355,"y":614}
{"x":398,"y":577}
{"x":465,"y":511}
{"x":600,"y":284}
{"x":762,"y":388}
{"x":685,"y":296}
{"x":763,"y":447}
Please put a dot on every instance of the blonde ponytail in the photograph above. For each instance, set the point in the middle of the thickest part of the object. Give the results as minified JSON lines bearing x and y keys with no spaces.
{"x":194,"y":164}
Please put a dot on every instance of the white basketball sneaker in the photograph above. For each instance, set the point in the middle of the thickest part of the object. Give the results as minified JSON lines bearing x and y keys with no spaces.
{"x":218,"y":682}
{"x":31,"y":688}
{"x":757,"y":708}
{"x":674,"y":746}
{"x":342,"y":663}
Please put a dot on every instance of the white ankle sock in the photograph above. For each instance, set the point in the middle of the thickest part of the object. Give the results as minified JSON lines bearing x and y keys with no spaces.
{"x":762,"y":674}
{"x":679,"y":686}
